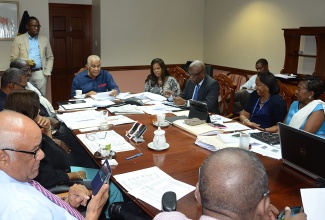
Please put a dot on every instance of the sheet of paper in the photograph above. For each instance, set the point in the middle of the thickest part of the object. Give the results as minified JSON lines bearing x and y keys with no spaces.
{"x":180,"y":113}
{"x":313,"y":201}
{"x":158,"y":109}
{"x":102,"y":96}
{"x":77,"y":106}
{"x":153,"y":192}
{"x":119,"y":120}
{"x":126,"y":109}
{"x":234,"y":126}
{"x":265,"y":149}
{"x":80,"y":119}
{"x":150,"y":184}
{"x":285,"y":76}
{"x":118,"y":143}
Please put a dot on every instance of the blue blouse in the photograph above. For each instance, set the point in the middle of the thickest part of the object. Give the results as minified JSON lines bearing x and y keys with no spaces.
{"x":294,"y":108}
{"x":270,"y":113}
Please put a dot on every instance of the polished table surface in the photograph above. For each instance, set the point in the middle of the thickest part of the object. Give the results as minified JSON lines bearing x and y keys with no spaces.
{"x":183,"y":159}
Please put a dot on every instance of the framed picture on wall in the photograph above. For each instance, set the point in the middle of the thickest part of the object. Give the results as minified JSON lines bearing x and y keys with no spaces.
{"x":9,"y":22}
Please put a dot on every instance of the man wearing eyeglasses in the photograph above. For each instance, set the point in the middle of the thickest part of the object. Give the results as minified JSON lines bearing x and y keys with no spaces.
{"x":12,"y":79}
{"x":32,"y":46}
{"x":200,"y":87}
{"x":46,"y":107}
{"x":233,"y":185}
{"x":21,"y":196}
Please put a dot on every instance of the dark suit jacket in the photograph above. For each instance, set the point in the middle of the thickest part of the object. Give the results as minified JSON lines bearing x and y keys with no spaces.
{"x":55,"y":165}
{"x":208,"y":93}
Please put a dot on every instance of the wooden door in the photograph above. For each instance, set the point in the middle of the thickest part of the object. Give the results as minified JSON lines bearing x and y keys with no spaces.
{"x":70,"y":38}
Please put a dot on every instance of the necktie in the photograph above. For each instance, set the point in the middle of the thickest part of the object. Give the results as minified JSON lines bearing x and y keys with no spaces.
{"x":196,"y":92}
{"x":56,"y":200}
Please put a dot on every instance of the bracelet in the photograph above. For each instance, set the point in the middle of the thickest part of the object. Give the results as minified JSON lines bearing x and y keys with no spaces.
{"x":245,"y":120}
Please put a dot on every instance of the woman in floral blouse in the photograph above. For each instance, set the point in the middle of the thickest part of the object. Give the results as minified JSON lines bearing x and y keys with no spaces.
{"x":159,"y":81}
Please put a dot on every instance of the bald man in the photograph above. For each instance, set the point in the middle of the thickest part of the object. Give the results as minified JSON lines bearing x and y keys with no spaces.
{"x":20,"y":156}
{"x":207,"y":88}
{"x":232,"y":185}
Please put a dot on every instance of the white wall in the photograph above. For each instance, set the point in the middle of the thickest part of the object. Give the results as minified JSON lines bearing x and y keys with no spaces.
{"x":135,"y":32}
{"x":228,"y":33}
{"x":40,"y":12}
{"x":237,"y":33}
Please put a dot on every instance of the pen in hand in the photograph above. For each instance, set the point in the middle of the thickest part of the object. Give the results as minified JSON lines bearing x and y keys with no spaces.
{"x":134,"y":156}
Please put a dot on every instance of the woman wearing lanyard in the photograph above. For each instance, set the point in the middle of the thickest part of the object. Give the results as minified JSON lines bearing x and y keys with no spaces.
{"x":265,"y":107}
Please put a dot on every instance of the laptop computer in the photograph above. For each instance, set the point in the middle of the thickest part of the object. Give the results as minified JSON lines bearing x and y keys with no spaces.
{"x":303,"y":151}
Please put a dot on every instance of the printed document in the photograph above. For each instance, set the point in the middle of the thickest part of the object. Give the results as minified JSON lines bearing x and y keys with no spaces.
{"x":151,"y":183}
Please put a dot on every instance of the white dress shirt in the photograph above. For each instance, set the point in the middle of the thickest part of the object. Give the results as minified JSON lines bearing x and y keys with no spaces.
{"x":19,"y":200}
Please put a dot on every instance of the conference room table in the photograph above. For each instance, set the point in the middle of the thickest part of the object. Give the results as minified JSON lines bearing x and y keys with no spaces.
{"x":182,"y":161}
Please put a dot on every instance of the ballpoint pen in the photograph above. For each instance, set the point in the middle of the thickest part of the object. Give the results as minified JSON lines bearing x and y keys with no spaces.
{"x":134,"y":156}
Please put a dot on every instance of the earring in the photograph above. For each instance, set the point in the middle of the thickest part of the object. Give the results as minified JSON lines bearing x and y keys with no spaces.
{"x":309,"y":97}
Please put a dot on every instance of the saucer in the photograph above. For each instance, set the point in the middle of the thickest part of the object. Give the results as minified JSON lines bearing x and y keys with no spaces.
{"x":162,"y":124}
{"x":150,"y":145}
{"x":80,"y":97}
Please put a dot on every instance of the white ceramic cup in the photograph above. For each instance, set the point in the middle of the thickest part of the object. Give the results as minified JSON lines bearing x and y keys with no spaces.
{"x":244,"y":141}
{"x":78,"y":93}
{"x":161,"y":118}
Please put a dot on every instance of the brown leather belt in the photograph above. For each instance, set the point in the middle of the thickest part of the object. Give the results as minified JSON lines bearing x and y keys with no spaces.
{"x":37,"y":69}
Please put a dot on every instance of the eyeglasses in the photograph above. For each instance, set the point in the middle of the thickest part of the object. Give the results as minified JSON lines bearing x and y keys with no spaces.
{"x":194,"y":75}
{"x":22,"y":86}
{"x":271,"y":138}
{"x":93,"y":136}
{"x":35,"y":26}
{"x":35,"y":153}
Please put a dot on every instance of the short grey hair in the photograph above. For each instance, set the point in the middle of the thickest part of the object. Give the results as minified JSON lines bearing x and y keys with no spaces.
{"x":92,"y":57}
{"x":12,"y":75}
{"x":10,"y":137}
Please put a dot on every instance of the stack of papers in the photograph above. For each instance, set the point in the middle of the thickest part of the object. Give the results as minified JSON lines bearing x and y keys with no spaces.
{"x":118,"y":143}
{"x":213,"y":143}
{"x":125,"y":109}
{"x":158,"y":109}
{"x":102,"y":96}
{"x":150,"y":184}
{"x":89,"y":119}
{"x":77,"y":106}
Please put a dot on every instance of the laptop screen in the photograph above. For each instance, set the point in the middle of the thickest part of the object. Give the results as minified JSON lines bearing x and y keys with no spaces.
{"x":303,"y":151}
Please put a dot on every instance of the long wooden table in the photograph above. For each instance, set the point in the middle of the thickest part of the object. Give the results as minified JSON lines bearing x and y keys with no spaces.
{"x":183,"y":159}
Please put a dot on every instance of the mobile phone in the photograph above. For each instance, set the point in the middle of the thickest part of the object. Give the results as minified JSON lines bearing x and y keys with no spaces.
{"x":217,"y":125}
{"x":294,"y":210}
{"x":77,"y":101}
{"x":102,"y":177}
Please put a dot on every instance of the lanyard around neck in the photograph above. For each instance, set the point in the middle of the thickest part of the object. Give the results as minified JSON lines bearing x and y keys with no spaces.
{"x":258,"y":109}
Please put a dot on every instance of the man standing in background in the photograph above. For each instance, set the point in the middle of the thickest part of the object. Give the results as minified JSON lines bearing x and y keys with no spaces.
{"x":32,"y":46}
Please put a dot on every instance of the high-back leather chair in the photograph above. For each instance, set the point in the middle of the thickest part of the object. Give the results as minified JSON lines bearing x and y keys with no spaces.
{"x":286,"y":94}
{"x":238,"y":79}
{"x":227,"y":91}
{"x":180,"y":75}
